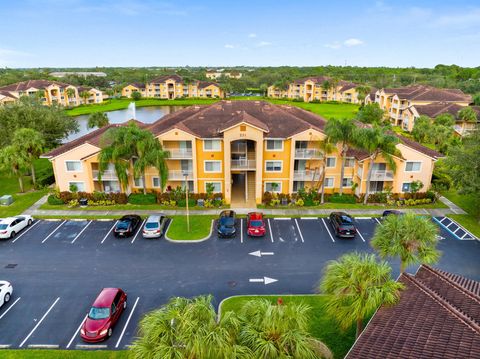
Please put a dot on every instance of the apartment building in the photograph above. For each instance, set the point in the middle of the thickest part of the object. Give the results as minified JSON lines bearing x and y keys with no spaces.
{"x":94,"y":95}
{"x":216,"y":74}
{"x":134,"y":87}
{"x":173,"y":86}
{"x":244,"y":148}
{"x":320,"y":88}
{"x":395,"y":101}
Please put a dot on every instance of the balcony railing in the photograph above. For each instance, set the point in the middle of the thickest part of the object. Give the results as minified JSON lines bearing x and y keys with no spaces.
{"x":107,"y":175}
{"x":179,"y":175}
{"x":243,"y":164}
{"x":381,"y":175}
{"x":176,"y":153}
{"x":307,"y":153}
{"x":306,"y":175}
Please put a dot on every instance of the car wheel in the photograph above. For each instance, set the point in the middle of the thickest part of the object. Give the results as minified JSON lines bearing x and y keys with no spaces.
{"x":125,"y":305}
{"x":12,"y":235}
{"x":29,"y":222}
{"x":6,"y":299}
{"x":109,"y":333}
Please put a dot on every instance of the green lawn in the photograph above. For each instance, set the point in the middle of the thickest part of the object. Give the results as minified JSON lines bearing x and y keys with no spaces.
{"x":437,"y":204}
{"x":471,"y":205}
{"x":199,"y":227}
{"x":62,"y":354}
{"x":320,"y":325}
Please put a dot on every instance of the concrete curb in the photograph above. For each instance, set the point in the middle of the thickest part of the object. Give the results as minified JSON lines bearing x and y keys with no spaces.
{"x":188,"y":241}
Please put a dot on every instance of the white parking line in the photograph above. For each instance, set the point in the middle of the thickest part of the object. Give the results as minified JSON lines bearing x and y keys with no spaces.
{"x":270,"y":229}
{"x":377,"y":220}
{"x":51,"y":234}
{"x":39,"y":322}
{"x":76,"y":332}
{"x":21,"y":235}
{"x":282,"y":218}
{"x":139,"y":230}
{"x":43,"y":346}
{"x":126,"y":324}
{"x":299,"y":231}
{"x":5,"y":346}
{"x":10,"y":307}
{"x":84,"y":228}
{"x":110,"y":231}
{"x":241,"y":230}
{"x":91,"y":346}
{"x":363,"y":217}
{"x":326,"y":227}
{"x":307,"y":218}
{"x":360,"y":234}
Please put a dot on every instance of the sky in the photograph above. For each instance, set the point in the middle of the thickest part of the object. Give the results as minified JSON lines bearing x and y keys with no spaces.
{"x":135,"y":33}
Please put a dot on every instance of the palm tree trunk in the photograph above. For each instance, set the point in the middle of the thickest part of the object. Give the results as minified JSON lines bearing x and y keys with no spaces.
{"x":20,"y":183}
{"x":34,"y":179}
{"x":359,"y":328}
{"x":342,"y":171}
{"x":144,"y":184}
{"x":367,"y":191}
{"x":322,"y":198}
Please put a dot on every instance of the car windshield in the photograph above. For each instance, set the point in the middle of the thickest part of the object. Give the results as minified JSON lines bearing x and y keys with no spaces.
{"x":123,"y":225}
{"x":346,"y":219}
{"x":256,"y":223}
{"x":3,"y":226}
{"x":151,"y":225}
{"x":99,"y":313}
{"x":227,"y":221}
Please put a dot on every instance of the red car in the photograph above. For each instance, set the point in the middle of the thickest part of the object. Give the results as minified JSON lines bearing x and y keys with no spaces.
{"x":255,"y":224}
{"x":103,"y":315}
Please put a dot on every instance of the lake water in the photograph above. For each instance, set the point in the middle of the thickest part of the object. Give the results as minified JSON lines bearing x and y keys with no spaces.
{"x":143,"y":114}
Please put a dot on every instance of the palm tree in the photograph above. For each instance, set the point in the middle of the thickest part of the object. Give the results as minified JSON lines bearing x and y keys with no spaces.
{"x":70,"y":94}
{"x":356,"y":285}
{"x":326,"y":86}
{"x":334,"y":82}
{"x":98,"y":119}
{"x":376,"y":142}
{"x":341,"y":131}
{"x":30,"y":144}
{"x":362,"y":92}
{"x":467,"y":114}
{"x":85,"y":95}
{"x":326,"y":147}
{"x":410,"y":237}
{"x":14,"y":162}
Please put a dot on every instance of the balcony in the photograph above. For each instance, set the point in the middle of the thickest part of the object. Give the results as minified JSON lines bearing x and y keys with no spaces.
{"x":179,"y":175}
{"x":179,"y":154}
{"x":243,"y":164}
{"x":308,"y":154}
{"x":306,"y":175}
{"x":107,"y":175}
{"x":239,"y":147}
{"x":380,"y":175}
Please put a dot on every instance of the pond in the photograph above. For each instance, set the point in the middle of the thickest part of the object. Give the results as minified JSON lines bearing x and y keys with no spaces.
{"x":143,"y":114}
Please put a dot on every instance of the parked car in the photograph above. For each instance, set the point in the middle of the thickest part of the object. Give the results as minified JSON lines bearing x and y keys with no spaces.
{"x":392,"y":212}
{"x":6,"y":291}
{"x":11,"y":226}
{"x":103,"y":315}
{"x":342,"y":225}
{"x":127,"y":225}
{"x":255,"y":224}
{"x":154,"y":226}
{"x":226,"y":224}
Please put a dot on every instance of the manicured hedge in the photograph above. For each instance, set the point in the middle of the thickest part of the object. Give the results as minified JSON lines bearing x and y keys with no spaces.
{"x":140,"y":198}
{"x":53,"y":200}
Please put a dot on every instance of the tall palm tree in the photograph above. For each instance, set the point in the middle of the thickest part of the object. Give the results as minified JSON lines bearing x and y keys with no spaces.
{"x":376,"y":142}
{"x":30,"y":144}
{"x":410,"y":237}
{"x":467,"y":114}
{"x":98,"y":119}
{"x":14,"y":162}
{"x":326,"y":86}
{"x":70,"y":94}
{"x":362,"y":92}
{"x":85,"y":95}
{"x":326,"y":147}
{"x":341,"y":131}
{"x":356,"y":285}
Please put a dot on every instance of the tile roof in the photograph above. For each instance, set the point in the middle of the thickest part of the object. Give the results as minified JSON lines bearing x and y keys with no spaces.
{"x":418,"y":147}
{"x":138,"y":85}
{"x":38,"y":84}
{"x":7,"y":94}
{"x":437,"y":316}
{"x":428,"y":93}
{"x":321,"y":79}
{"x":203,"y":84}
{"x":437,"y":108}
{"x":162,"y":79}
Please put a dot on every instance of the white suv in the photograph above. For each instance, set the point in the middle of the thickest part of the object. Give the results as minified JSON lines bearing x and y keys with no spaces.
{"x":154,"y":226}
{"x":10,"y":227}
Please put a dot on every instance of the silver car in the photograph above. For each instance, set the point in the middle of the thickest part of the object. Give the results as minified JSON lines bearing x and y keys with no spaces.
{"x":154,"y":226}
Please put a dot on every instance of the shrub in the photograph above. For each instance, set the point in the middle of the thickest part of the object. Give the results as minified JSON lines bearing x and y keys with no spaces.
{"x":183,"y":203}
{"x":345,"y":198}
{"x":142,"y":199}
{"x":267,"y":197}
{"x":299,"y":202}
{"x":53,"y":200}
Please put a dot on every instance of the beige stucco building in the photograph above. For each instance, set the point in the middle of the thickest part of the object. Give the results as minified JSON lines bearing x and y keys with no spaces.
{"x":173,"y":86}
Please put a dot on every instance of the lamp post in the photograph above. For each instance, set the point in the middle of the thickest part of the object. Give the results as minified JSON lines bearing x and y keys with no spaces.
{"x":185,"y":174}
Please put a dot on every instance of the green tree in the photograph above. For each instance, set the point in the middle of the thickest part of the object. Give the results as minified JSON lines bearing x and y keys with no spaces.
{"x":476,"y":99}
{"x":70,"y":94}
{"x":467,"y":114}
{"x":377,"y":142}
{"x":85,"y":95}
{"x":136,"y":96}
{"x":415,"y":186}
{"x":341,"y":131}
{"x":362,"y":91}
{"x":356,"y":285}
{"x":98,"y":119}
{"x":421,"y":128}
{"x":410,"y":237}
{"x":326,"y":147}
{"x":445,"y":119}
{"x":30,"y":145}
{"x":14,"y":162}
{"x":371,"y":113}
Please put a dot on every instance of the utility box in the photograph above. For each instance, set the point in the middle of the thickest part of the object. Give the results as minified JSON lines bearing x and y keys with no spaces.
{"x":6,"y":200}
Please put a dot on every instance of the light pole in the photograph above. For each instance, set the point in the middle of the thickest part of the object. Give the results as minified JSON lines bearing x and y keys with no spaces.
{"x":185,"y":174}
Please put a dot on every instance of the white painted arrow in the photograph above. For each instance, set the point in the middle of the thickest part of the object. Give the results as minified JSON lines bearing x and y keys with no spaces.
{"x":265,"y":280}
{"x":259,"y":254}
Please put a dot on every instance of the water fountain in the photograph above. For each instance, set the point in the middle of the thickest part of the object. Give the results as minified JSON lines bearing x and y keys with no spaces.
{"x":131,"y":111}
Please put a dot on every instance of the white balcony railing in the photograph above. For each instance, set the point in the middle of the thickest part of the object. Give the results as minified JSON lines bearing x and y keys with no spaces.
{"x":306,"y":175}
{"x":360,"y":172}
{"x":381,"y":175}
{"x":176,"y":153}
{"x":243,"y":164}
{"x":307,"y":153}
{"x":179,"y":175}
{"x":107,"y":175}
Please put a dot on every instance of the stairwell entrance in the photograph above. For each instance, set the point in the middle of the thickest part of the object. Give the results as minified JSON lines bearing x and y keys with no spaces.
{"x":243,"y":190}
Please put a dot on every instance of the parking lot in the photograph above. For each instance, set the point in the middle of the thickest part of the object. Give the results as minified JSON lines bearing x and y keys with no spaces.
{"x":57,"y":268}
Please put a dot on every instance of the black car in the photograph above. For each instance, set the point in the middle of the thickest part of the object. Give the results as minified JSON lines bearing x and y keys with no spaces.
{"x":127,"y":225}
{"x":342,"y":224}
{"x":392,"y":212}
{"x":226,"y":224}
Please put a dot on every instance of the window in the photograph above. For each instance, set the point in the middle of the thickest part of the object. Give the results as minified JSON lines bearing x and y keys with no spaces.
{"x":274,"y":145}
{"x":217,"y":186}
{"x":213,"y":166}
{"x":347,"y":182}
{"x":80,"y":186}
{"x":212,"y":145}
{"x":350,"y":162}
{"x":73,"y":166}
{"x":413,"y":166}
{"x":331,"y":161}
{"x":156,"y":182}
{"x":273,"y":187}
{"x":273,"y":166}
{"x":329,"y":182}
{"x":297,"y":185}
{"x":406,"y":187}
{"x":138,"y":182}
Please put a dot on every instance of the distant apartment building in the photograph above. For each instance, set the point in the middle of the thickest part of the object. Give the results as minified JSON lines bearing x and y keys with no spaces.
{"x":173,"y":86}
{"x":94,"y":95}
{"x":134,"y":87}
{"x":77,"y":73}
{"x":319,"y":88}
{"x":405,"y":104}
{"x":243,"y":149}
{"x":216,"y":74}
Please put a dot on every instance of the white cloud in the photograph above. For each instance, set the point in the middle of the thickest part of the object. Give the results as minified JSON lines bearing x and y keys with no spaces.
{"x":352,"y":42}
{"x":333,"y":45}
{"x":229,"y":46}
{"x":263,"y":44}
{"x":252,"y":35}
